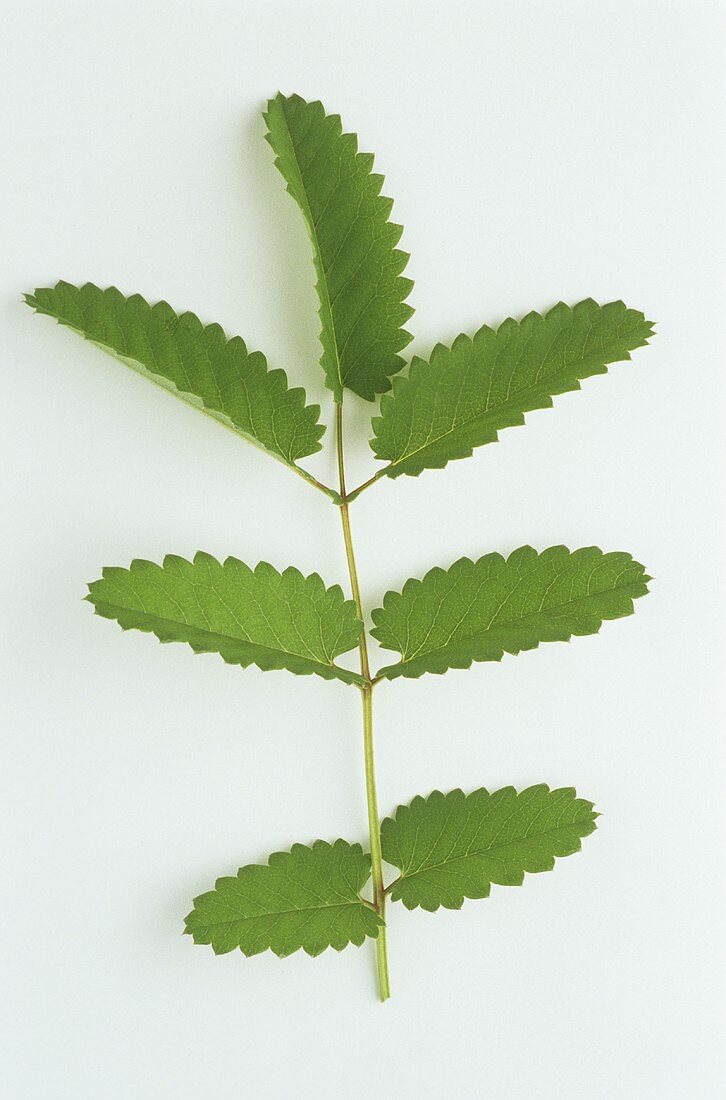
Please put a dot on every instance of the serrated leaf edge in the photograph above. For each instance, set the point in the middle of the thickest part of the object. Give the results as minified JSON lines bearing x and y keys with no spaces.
{"x":437,"y":795}
{"x":276,"y":376}
{"x":331,"y":671}
{"x":336,"y":385}
{"x":419,"y":363}
{"x":316,"y":844}
{"x":399,"y":668}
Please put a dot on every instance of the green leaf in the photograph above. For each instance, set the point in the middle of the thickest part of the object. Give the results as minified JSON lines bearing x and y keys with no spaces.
{"x":261,"y":617}
{"x":307,"y":897}
{"x":454,"y":846}
{"x":477,"y":611}
{"x":358,"y":267}
{"x":463,"y":395}
{"x":195,"y":362}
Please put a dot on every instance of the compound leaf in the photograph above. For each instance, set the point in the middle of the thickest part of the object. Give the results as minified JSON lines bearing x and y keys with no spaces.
{"x":464,"y":394}
{"x":261,"y":617}
{"x":195,"y":362}
{"x":358,"y":267}
{"x":454,"y":846}
{"x":477,"y":611}
{"x":306,"y":898}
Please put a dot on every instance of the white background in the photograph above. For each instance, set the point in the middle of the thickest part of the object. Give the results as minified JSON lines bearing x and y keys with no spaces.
{"x":536,"y":152}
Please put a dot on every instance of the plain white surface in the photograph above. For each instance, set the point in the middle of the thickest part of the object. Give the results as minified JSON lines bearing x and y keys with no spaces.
{"x":536,"y":153}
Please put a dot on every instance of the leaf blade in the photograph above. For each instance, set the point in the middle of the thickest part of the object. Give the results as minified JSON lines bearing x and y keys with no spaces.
{"x":477,"y":611}
{"x":262,"y":617}
{"x":195,"y":362}
{"x":453,"y":846}
{"x":463,"y":395}
{"x":360,"y":287}
{"x":307,"y":898}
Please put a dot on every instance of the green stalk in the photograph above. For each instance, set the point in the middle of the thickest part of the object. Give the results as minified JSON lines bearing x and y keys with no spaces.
{"x":366,"y":484}
{"x":374,"y":828}
{"x":331,"y":493}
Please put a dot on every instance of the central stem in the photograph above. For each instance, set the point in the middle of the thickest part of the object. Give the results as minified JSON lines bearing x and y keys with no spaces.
{"x":374,"y":828}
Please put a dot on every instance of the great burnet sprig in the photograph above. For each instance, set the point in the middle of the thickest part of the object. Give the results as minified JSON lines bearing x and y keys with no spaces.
{"x":446,"y":847}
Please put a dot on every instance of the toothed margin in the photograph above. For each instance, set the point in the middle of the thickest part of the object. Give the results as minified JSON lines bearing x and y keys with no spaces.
{"x":439,"y":661}
{"x":350,"y":870}
{"x":234,"y":650}
{"x":393,"y":260}
{"x":424,"y":373}
{"x":71,"y":309}
{"x":396,"y":834}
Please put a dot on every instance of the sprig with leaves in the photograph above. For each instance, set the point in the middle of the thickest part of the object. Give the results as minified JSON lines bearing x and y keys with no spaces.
{"x":446,"y":847}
